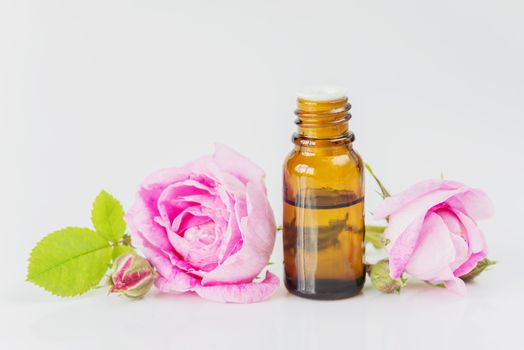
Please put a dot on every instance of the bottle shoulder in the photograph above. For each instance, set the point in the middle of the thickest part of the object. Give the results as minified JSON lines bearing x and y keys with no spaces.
{"x":340,"y":156}
{"x":310,"y":161}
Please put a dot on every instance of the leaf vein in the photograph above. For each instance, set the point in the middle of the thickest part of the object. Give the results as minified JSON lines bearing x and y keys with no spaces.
{"x":65,"y":262}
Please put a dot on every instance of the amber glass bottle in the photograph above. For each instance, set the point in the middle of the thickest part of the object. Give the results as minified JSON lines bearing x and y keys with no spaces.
{"x":323,"y":226}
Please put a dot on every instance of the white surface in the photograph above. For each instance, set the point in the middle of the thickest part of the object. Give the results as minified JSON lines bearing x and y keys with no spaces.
{"x":322,"y":93}
{"x":97,"y":94}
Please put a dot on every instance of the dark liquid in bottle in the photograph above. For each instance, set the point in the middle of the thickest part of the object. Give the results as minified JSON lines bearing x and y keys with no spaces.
{"x":323,"y":244}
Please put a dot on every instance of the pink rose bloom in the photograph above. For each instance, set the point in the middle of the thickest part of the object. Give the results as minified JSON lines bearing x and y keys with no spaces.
{"x":433,"y":231}
{"x":208,"y":227}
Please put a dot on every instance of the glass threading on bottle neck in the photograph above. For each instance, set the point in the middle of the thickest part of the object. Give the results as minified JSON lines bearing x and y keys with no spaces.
{"x":322,"y":123}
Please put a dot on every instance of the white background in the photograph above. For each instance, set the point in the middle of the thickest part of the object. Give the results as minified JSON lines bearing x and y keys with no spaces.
{"x":98,"y":94}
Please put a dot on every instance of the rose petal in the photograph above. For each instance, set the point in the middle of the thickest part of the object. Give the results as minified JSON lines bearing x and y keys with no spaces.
{"x":478,"y":248}
{"x":469,"y":264}
{"x":191,"y":217}
{"x":404,"y":216}
{"x":402,"y":245}
{"x":170,"y":278}
{"x":474,"y":236}
{"x":203,"y":243}
{"x":462,"y":252}
{"x":170,"y":203}
{"x":161,"y":178}
{"x":451,"y":220}
{"x":475,"y":203}
{"x":430,"y":192}
{"x":157,"y":240}
{"x":242,"y":292}
{"x":434,"y":251}
{"x":141,"y":221}
{"x":458,"y":236}
{"x":236,"y":164}
{"x":258,"y":235}
{"x":118,"y":276}
{"x":232,"y":239}
{"x":456,"y":285}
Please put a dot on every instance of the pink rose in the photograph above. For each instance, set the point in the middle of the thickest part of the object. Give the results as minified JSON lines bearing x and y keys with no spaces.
{"x":433,"y":232}
{"x":208,"y":227}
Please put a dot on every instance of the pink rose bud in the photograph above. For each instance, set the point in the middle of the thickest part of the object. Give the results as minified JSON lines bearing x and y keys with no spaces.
{"x":381,"y":279}
{"x":132,"y":276}
{"x":433,"y":231}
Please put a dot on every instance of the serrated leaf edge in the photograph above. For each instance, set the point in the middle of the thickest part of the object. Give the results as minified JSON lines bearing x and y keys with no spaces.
{"x":28,"y":277}
{"x":104,"y":192}
{"x":75,"y":294}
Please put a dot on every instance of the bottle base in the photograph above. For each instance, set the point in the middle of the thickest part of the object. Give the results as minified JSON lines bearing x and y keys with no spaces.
{"x":328,"y":289}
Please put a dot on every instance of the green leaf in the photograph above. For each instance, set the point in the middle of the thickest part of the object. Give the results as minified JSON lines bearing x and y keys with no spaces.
{"x":121,"y":249}
{"x":385,"y":192}
{"x":108,"y":217}
{"x":69,"y":262}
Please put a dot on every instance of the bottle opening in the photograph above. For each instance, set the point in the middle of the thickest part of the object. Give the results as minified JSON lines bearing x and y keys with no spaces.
{"x":322,"y":93}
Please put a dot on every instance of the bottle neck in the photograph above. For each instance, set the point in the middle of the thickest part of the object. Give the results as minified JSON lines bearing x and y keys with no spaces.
{"x":322,"y":123}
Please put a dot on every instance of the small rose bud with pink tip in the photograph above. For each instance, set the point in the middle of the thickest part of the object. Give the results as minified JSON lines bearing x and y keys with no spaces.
{"x":131,"y":276}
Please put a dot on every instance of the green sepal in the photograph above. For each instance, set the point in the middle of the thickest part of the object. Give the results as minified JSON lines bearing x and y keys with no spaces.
{"x":120,"y":249}
{"x":479,"y":268}
{"x":383,"y":189}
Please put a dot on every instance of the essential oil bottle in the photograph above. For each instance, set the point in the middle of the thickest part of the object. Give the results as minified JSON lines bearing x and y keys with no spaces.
{"x":323,"y":226}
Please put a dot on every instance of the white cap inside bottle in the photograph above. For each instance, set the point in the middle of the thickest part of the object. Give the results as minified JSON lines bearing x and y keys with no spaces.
{"x":322,"y":93}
